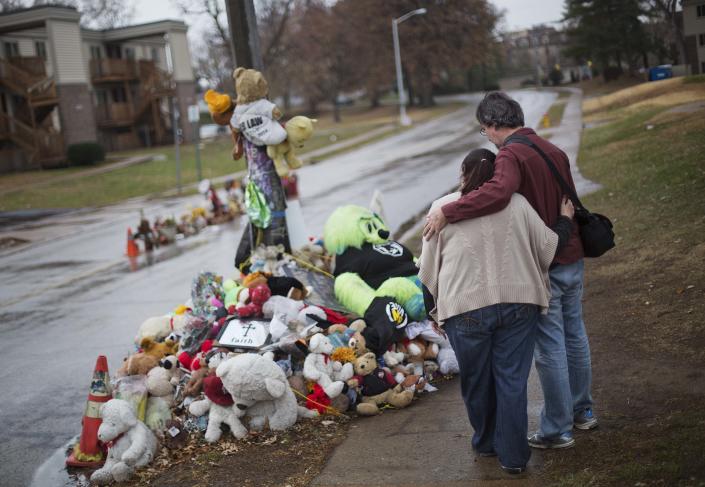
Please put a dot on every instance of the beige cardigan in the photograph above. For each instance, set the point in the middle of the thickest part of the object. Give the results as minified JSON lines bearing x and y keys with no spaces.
{"x":498,"y":258}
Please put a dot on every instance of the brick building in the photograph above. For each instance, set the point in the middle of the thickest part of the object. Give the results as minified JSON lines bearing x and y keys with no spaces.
{"x":61,"y":84}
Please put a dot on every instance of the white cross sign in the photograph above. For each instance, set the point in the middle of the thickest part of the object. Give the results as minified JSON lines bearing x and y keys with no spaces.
{"x":244,"y":334}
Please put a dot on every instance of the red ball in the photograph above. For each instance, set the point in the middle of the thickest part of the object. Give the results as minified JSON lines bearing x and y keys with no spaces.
{"x":260,"y":294}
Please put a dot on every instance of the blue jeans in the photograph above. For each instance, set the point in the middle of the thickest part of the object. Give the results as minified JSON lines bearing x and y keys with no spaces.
{"x":563,"y":353}
{"x":494,"y":347}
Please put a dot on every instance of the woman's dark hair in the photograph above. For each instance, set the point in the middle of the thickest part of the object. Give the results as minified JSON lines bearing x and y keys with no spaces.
{"x":476,"y":169}
{"x":498,"y":110}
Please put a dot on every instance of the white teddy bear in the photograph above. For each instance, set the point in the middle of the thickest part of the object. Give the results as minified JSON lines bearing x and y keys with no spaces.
{"x":220,"y":408}
{"x":318,"y":367}
{"x":261,"y":391}
{"x":159,"y":327}
{"x":130,"y":443}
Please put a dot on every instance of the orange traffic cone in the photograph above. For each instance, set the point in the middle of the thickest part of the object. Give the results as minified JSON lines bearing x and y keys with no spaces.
{"x":132,"y":249}
{"x":88,"y":451}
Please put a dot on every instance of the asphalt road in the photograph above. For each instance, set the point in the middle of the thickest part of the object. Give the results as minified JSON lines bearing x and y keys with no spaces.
{"x":70,"y":296}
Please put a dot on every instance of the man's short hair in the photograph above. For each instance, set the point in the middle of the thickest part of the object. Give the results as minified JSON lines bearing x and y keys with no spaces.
{"x":499,"y":110}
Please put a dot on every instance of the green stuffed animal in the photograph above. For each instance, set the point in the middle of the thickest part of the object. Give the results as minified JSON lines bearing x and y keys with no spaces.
{"x":369,"y":265}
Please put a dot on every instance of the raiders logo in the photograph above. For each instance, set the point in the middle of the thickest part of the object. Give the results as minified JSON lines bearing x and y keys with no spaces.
{"x":396,"y":314}
{"x":391,"y":249}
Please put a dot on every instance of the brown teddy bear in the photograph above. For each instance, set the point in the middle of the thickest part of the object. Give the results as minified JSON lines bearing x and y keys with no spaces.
{"x":138,"y":364}
{"x":254,"y":116}
{"x":159,"y":349}
{"x":377,"y":387}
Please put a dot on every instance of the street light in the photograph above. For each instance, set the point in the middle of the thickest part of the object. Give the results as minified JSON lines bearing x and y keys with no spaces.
{"x":403,"y":117}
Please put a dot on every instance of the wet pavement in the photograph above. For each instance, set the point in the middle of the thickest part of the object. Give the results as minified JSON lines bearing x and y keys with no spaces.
{"x":69,"y":296}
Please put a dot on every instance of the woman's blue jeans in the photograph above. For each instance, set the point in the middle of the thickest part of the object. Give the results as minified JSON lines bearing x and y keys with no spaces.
{"x":563,"y":353}
{"x":494,"y":346}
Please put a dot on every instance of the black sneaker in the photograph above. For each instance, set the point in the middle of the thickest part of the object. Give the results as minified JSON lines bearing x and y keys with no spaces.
{"x":563,"y":441}
{"x":585,"y":420}
{"x":513,"y":470}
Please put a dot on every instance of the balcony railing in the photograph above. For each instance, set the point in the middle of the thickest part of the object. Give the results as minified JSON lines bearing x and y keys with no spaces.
{"x":33,"y":65}
{"x":113,"y":69}
{"x":114,"y":113}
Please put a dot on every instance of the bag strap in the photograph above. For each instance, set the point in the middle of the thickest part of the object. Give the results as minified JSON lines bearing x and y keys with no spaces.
{"x":522,"y":139}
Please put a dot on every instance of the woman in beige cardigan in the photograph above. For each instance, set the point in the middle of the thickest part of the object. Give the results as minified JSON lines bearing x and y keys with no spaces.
{"x":486,"y":281}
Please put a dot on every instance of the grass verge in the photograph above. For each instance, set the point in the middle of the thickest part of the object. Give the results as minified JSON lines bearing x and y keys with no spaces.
{"x":644,"y":301}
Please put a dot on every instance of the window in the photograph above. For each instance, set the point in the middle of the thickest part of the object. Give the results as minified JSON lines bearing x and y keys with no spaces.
{"x":11,"y":50}
{"x":701,"y":10}
{"x":119,"y":95}
{"x":41,"y":49}
{"x":702,"y":68}
{"x":155,"y":55}
{"x":96,"y":53}
{"x":701,"y":39}
{"x":114,"y":51}
{"x":130,"y":53}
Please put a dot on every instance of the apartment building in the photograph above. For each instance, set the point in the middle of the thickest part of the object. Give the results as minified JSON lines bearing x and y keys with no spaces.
{"x":61,"y":84}
{"x":694,"y":32}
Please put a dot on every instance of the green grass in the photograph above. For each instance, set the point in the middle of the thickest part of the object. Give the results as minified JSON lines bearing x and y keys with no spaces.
{"x":696,"y":78}
{"x":555,"y":113}
{"x":141,"y":179}
{"x":654,"y":178}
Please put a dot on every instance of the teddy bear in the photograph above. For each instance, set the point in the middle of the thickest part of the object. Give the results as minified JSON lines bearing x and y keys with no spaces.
{"x":417,"y":351}
{"x":260,"y":391}
{"x":314,"y":254}
{"x":318,"y":367}
{"x":254,"y":116}
{"x":220,"y":408}
{"x":349,"y":336}
{"x":161,"y":398}
{"x":130,"y":443}
{"x":255,"y":299}
{"x":158,"y":349}
{"x":377,"y":387}
{"x":265,"y":259}
{"x":368,"y":264}
{"x":159,"y":327}
{"x":298,"y":130}
{"x":221,"y":108}
{"x":138,"y":364}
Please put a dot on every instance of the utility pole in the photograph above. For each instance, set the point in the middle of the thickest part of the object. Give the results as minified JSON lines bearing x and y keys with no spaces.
{"x":244,"y":41}
{"x":260,"y":168}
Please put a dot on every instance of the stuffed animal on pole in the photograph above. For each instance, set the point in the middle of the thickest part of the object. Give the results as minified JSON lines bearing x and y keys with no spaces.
{"x":221,"y":108}
{"x":298,"y":130}
{"x":131,"y":444}
{"x":368,"y":264}
{"x":327,"y":373}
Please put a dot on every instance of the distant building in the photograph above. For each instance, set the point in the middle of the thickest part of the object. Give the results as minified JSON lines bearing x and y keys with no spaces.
{"x":61,"y":84}
{"x":694,"y":32}
{"x":534,"y":52}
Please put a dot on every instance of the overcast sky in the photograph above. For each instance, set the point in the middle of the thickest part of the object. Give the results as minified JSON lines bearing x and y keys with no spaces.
{"x":519,"y":14}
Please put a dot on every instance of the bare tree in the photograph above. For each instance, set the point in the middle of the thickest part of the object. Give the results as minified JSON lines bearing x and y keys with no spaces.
{"x":10,"y":5}
{"x":667,"y":9}
{"x":97,"y":14}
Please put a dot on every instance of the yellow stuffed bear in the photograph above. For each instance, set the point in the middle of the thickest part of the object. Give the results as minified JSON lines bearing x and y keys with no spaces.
{"x":298,"y":130}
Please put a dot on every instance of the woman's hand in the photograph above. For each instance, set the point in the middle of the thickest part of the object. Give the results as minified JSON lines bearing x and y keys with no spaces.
{"x":567,"y":208}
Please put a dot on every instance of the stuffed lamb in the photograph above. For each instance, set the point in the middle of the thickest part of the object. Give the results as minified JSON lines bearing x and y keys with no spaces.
{"x":318,"y":367}
{"x":261,"y":391}
{"x":130,"y":443}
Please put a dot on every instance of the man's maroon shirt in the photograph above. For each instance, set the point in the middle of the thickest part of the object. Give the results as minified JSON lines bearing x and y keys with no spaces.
{"x":520,"y":169}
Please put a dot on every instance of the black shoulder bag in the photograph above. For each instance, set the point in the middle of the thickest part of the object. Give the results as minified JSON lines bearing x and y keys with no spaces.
{"x":595,"y":230}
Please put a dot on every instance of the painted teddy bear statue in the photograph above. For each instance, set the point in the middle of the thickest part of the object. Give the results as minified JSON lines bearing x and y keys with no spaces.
{"x":369,"y":265}
{"x":331,"y":375}
{"x":130,"y":443}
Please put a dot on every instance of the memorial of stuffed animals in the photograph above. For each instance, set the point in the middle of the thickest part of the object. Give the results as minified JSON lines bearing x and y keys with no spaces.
{"x":336,"y":326}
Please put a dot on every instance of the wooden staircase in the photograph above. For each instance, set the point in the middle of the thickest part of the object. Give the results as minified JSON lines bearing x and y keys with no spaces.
{"x":25,"y":77}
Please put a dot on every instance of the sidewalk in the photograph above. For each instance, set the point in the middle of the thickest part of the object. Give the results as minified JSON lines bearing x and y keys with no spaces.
{"x":428,"y":444}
